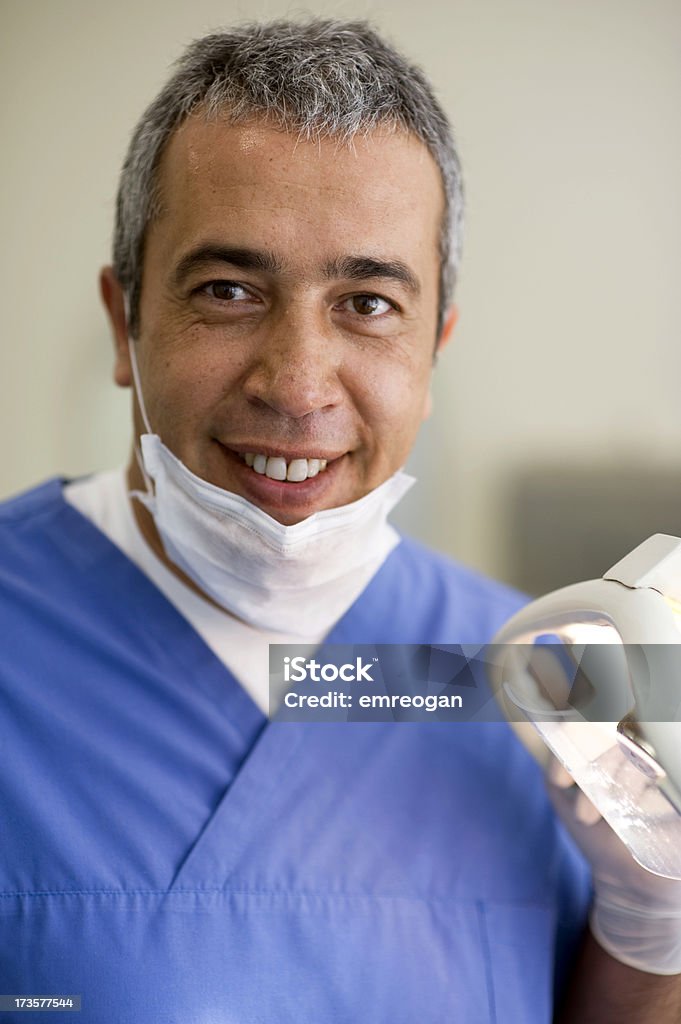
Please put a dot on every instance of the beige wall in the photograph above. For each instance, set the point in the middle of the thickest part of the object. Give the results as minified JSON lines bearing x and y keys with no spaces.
{"x":567,"y":118}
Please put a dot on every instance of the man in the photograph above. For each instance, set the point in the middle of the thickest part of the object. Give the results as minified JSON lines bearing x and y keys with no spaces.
{"x":287,"y":236}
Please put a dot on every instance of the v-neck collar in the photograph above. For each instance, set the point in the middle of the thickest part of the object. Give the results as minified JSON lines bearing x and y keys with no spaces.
{"x":268,"y":746}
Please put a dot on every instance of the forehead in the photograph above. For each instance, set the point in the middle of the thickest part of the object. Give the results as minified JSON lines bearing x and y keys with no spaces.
{"x":382,"y":191}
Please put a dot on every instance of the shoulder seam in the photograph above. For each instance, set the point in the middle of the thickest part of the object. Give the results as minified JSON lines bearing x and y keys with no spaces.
{"x":21,"y":508}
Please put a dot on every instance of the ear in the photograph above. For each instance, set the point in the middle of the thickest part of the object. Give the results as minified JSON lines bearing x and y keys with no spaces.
{"x":114,"y":302}
{"x":445,"y":336}
{"x":447,"y":328}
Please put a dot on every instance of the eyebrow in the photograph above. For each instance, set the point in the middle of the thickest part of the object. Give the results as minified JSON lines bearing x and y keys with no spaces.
{"x":355,"y":268}
{"x":359,"y":268}
{"x":246,"y":259}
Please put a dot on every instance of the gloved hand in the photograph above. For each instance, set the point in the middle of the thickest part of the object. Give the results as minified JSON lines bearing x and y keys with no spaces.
{"x":636,"y":915}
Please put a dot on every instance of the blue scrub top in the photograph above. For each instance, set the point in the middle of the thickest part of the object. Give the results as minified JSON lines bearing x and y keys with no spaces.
{"x":170,"y":856}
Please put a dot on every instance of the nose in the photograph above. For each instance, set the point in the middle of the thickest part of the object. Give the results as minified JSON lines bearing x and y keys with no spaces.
{"x":294,"y":368}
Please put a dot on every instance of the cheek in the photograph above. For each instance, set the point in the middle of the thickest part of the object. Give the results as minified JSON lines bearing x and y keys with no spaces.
{"x":181,"y":390}
{"x":196,"y":367}
{"x":393,"y":405}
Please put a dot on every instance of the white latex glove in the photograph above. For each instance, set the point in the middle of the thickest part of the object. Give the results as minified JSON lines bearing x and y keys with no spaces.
{"x":636,"y":915}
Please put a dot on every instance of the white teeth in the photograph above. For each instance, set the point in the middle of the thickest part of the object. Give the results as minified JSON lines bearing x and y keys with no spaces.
{"x":297,"y":470}
{"x":276,"y":467}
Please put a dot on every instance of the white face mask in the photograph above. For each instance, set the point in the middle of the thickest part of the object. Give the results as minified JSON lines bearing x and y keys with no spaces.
{"x":291,"y":579}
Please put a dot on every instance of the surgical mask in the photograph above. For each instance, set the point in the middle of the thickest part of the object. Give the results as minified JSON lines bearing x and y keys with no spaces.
{"x":298,"y":579}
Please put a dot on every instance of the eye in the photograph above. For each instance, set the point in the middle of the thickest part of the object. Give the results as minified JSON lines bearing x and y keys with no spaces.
{"x":368,"y":305}
{"x":226,"y":291}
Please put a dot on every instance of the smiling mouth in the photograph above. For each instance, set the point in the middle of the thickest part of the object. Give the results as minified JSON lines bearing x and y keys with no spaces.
{"x":278,"y":468}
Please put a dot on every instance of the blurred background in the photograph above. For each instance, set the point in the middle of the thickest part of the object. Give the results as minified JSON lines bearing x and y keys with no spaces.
{"x":555,"y":444}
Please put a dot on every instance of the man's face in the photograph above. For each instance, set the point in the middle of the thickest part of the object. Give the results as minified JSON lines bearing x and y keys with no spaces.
{"x":288,"y":310}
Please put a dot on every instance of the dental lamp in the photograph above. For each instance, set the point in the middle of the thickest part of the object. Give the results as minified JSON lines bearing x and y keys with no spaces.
{"x":596,"y":668}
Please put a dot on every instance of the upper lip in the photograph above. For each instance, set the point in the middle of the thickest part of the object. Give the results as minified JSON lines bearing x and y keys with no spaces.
{"x":276,"y":451}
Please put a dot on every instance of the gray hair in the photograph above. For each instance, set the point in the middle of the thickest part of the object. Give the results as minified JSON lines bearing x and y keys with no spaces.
{"x":321,"y":78}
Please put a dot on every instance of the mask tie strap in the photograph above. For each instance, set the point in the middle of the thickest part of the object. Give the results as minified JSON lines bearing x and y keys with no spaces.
{"x":140,"y":401}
